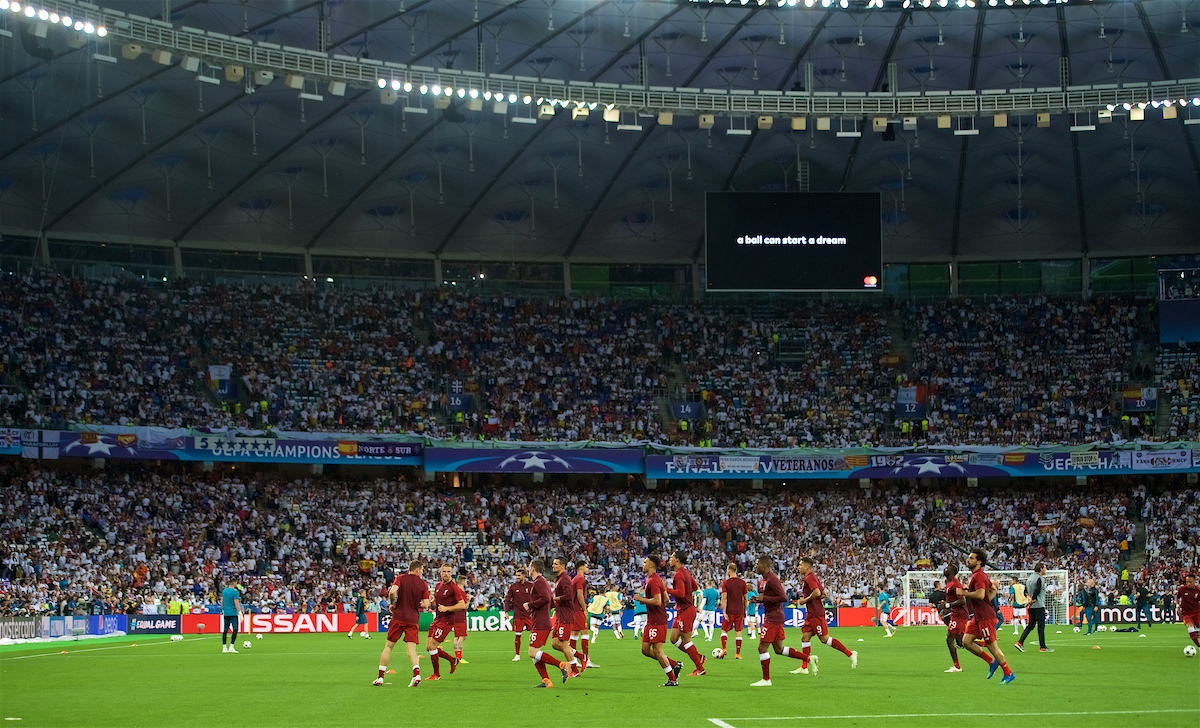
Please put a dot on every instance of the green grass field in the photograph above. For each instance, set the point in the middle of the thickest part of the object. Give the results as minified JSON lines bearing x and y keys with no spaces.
{"x":325,"y":680}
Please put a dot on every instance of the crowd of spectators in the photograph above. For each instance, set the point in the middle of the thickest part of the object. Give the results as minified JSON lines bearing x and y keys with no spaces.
{"x":999,"y":371}
{"x":132,"y":539}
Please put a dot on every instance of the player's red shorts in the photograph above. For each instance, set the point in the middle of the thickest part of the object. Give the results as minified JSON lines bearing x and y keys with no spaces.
{"x":1191,"y":620}
{"x":438,"y":631}
{"x":655,"y":634}
{"x":537,"y":638}
{"x":406,"y":632}
{"x":983,"y":630}
{"x":580,"y":621}
{"x":460,"y":629}
{"x":521,"y":624}
{"x":562,"y":631}
{"x":955,"y":627}
{"x":770,"y":633}
{"x":685,"y":620}
{"x":819,"y":628}
{"x":737,"y":624}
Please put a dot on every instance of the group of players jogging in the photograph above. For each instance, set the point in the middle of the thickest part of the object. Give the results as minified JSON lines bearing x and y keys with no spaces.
{"x":561,"y":614}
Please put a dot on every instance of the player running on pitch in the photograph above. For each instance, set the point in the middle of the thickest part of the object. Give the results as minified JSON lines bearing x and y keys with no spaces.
{"x":684,"y":588}
{"x":565,"y":604}
{"x":654,"y":596}
{"x":708,"y":609}
{"x":1188,"y":597}
{"x":771,"y":631}
{"x":579,"y":631}
{"x":979,"y":593}
{"x":733,"y":609}
{"x":956,"y":617}
{"x":408,"y":595}
{"x":460,"y":617}
{"x":600,"y":610}
{"x":812,"y":591}
{"x":885,"y":612}
{"x":449,"y":599}
{"x":538,"y":606}
{"x":514,"y":601}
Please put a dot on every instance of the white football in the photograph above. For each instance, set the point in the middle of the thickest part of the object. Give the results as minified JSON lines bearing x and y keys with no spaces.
{"x":1076,"y":630}
{"x":259,"y":635}
{"x":176,"y":638}
{"x":1102,"y":628}
{"x":246,"y":645}
{"x":716,"y":652}
{"x":1189,"y":651}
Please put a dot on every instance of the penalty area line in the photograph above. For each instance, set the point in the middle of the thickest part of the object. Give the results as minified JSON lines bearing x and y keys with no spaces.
{"x":721,"y":723}
{"x":95,"y":649}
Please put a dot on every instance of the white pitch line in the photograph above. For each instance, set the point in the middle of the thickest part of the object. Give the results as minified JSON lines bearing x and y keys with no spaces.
{"x":94,"y":649}
{"x":722,"y":723}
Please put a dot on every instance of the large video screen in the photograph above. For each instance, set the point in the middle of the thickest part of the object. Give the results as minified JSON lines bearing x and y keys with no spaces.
{"x":781,"y":241}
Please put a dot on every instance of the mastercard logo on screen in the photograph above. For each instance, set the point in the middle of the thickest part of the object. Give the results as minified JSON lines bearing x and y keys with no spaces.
{"x":870,"y":282}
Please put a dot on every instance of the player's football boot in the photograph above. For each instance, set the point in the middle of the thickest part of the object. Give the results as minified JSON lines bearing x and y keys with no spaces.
{"x":1008,"y":678}
{"x":954,"y":669}
{"x":589,"y":664}
{"x":676,"y":668}
{"x":670,"y":684}
{"x":1046,"y":649}
{"x":463,"y":661}
{"x":377,"y":681}
{"x":415,"y":681}
{"x":761,"y":684}
{"x":434,"y":677}
{"x":516,"y":658}
{"x":545,"y":684}
{"x":454,"y":665}
{"x":721,"y":654}
{"x":1019,"y":646}
{"x":854,"y":660}
{"x":812,"y":662}
{"x":565,"y":673}
{"x":738,"y":656}
{"x":799,"y":671}
{"x":992,"y":668}
{"x":699,"y":670}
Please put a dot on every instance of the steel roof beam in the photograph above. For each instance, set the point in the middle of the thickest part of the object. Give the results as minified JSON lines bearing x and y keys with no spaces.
{"x":1166,"y":72}
{"x":960,"y":184}
{"x":1076,"y":162}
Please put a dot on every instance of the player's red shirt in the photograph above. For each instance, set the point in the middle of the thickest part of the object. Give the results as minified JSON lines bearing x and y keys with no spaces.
{"x":540,"y":601}
{"x":656,"y":616}
{"x":579,"y":583}
{"x":1189,"y":599}
{"x":735,"y":597}
{"x":958,"y":613}
{"x":565,"y":605}
{"x":514,"y":600}
{"x":410,"y":591}
{"x":445,"y":594}
{"x":773,"y":596}
{"x":816,"y":610}
{"x":461,"y":616}
{"x":684,"y":590}
{"x":981,"y":610}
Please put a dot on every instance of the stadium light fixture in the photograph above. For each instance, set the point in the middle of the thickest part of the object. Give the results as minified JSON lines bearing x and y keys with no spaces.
{"x":15,"y":7}
{"x":89,"y":28}
{"x":436,"y":89}
{"x":527,"y":99}
{"x":487,"y":95}
{"x":66,"y":21}
{"x":43,"y":14}
{"x":396,"y":85}
{"x":474,"y":93}
{"x":512,"y":98}
{"x":424,"y":89}
{"x":54,"y":18}
{"x":382,"y":82}
{"x":29,"y":11}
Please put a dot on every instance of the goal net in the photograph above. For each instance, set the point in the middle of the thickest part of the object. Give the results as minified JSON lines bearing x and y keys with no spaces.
{"x":915,"y":608}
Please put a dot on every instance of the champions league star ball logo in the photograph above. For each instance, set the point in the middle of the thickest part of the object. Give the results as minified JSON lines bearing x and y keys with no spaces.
{"x":534,"y":460}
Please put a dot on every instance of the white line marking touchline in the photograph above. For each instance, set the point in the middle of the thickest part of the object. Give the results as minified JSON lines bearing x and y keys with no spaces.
{"x":723,"y":724}
{"x":95,"y":649}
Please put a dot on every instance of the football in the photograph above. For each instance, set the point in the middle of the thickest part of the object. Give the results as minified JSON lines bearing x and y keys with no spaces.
{"x":1189,"y":651}
{"x":176,"y":638}
{"x":716,"y":652}
{"x":259,"y":635}
{"x":1102,"y":628}
{"x":246,"y":645}
{"x":1076,"y":630}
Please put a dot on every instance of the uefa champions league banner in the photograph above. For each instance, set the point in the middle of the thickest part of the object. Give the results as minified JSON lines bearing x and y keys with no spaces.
{"x":700,"y":466}
{"x":227,"y":448}
{"x":533,"y":460}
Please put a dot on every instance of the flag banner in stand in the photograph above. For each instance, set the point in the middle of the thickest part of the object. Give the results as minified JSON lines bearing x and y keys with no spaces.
{"x":10,"y":441}
{"x":533,"y":460}
{"x":40,"y":444}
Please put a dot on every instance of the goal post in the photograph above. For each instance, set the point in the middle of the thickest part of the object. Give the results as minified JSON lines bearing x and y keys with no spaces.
{"x":915,"y":608}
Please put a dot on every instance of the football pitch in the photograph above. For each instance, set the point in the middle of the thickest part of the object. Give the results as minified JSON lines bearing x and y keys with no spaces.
{"x":325,"y":680}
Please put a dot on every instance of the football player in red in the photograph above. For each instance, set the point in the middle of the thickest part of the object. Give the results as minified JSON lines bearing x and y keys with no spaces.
{"x":1189,"y":606}
{"x":408,"y":595}
{"x":654,"y":596}
{"x":733,"y":609}
{"x":684,"y":588}
{"x":541,"y":599}
{"x":515,"y":601}
{"x":956,"y":620}
{"x":811,"y":593}
{"x":979,"y":593}
{"x":565,"y":605}
{"x":770,"y":634}
{"x":449,"y":599}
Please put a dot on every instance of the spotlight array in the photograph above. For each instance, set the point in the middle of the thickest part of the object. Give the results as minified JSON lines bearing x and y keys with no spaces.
{"x":49,"y":16}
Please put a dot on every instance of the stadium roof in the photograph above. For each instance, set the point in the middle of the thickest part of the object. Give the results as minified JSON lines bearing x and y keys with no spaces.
{"x":102,"y":141}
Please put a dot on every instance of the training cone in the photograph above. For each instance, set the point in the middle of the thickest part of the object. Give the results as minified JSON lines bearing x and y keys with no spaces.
{"x":1095,"y":647}
{"x":860,"y":639}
